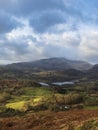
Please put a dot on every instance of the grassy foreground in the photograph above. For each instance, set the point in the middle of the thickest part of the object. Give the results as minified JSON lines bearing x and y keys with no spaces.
{"x":33,"y":107}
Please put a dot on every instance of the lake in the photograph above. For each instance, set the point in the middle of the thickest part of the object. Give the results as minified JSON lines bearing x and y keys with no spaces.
{"x":58,"y":83}
{"x":43,"y":84}
{"x":63,"y":83}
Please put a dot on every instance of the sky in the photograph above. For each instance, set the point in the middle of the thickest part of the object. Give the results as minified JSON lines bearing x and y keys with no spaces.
{"x":37,"y":29}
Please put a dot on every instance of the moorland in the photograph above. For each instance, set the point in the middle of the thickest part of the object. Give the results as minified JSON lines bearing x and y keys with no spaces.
{"x":49,"y":94}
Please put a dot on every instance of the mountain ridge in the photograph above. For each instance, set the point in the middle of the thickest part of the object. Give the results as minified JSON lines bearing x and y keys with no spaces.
{"x":58,"y":63}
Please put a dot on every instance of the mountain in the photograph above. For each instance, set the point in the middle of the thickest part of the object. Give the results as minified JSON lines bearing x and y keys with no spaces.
{"x":93,"y":72}
{"x":51,"y":64}
{"x":56,"y":69}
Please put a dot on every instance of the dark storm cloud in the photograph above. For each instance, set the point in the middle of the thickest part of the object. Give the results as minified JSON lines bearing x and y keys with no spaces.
{"x":47,"y":19}
{"x":31,"y":6}
{"x":27,"y":7}
{"x":32,"y":29}
{"x":7,"y":23}
{"x":43,"y":14}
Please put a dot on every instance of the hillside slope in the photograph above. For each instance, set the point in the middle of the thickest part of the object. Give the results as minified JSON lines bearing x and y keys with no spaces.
{"x":68,"y":120}
{"x":93,"y":72}
{"x":56,"y":68}
{"x":51,"y":64}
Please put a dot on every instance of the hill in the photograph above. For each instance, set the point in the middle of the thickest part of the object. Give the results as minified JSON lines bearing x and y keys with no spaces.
{"x":93,"y":72}
{"x":56,"y":68}
{"x":51,"y":64}
{"x":69,"y":120}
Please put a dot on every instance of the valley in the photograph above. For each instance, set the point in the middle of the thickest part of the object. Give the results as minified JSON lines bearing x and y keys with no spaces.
{"x":53,"y":97}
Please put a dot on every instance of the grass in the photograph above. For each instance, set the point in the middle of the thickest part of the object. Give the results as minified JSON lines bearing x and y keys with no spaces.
{"x":35,"y":91}
{"x":29,"y":97}
{"x":89,"y":125}
{"x":91,"y":107}
{"x":17,"y":105}
{"x":24,"y":105}
{"x":36,"y":101}
{"x":19,"y":98}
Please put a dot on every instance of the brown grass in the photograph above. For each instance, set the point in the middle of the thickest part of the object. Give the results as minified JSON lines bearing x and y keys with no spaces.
{"x":46,"y":120}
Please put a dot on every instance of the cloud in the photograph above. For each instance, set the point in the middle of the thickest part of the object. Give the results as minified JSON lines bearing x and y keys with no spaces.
{"x":40,"y":5}
{"x":46,"y":20}
{"x":20,"y":45}
{"x":7,"y":22}
{"x":35,"y":29}
{"x":89,"y":42}
{"x":24,"y":44}
{"x":24,"y":7}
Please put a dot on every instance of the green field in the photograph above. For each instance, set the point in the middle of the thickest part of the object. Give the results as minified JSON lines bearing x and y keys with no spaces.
{"x":36,"y":98}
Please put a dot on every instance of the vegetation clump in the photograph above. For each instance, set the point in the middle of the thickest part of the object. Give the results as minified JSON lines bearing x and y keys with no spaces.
{"x":89,"y":125}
